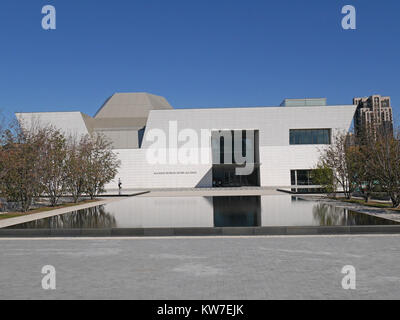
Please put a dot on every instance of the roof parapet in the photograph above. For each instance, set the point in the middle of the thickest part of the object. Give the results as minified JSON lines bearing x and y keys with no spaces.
{"x":307,"y":102}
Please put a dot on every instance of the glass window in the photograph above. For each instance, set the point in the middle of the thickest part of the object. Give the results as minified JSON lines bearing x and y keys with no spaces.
{"x":293,"y":177}
{"x":310,"y":136}
{"x":141,"y":135}
{"x":301,"y":177}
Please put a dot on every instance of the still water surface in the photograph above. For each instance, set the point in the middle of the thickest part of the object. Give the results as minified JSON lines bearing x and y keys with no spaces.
{"x":180,"y":212}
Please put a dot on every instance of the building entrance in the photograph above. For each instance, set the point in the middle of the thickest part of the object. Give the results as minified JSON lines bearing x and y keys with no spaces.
{"x":231,"y":150}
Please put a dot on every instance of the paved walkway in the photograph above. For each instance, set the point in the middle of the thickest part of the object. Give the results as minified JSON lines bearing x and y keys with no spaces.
{"x":207,"y":192}
{"x":202,"y":268}
{"x":36,"y":216}
{"x":200,"y":192}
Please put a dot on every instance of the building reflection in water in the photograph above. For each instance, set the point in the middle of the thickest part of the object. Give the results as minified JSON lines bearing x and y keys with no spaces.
{"x":207,"y":212}
{"x":244,"y":211}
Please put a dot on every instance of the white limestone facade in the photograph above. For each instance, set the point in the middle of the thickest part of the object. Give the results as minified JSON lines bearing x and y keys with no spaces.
{"x":177,"y":133}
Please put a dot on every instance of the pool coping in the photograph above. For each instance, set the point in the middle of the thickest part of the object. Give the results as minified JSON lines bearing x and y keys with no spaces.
{"x":200,"y":231}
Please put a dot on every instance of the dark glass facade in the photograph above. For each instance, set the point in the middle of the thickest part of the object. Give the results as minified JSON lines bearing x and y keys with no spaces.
{"x":241,"y":211}
{"x":225,"y":164}
{"x":301,"y":177}
{"x":310,"y":136}
{"x":226,"y":137}
{"x":140,"y":136}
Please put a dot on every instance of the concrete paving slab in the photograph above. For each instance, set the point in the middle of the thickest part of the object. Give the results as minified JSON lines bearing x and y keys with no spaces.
{"x":295,"y":267}
{"x":209,"y":192}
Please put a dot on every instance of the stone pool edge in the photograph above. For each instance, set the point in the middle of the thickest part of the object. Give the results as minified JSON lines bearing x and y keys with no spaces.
{"x":176,"y":232}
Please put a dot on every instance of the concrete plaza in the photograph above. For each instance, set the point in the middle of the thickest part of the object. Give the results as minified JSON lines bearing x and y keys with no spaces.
{"x":297,"y":267}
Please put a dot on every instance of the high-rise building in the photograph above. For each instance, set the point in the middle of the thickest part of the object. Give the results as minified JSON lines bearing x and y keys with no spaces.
{"x":373,"y":115}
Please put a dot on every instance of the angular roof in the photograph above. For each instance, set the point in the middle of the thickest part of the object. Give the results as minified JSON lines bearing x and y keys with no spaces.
{"x":118,"y":123}
{"x":70,"y":123}
{"x":131,"y":105}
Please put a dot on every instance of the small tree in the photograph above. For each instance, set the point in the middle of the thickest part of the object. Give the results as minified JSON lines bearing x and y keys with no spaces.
{"x":2,"y":142}
{"x":384,"y":156}
{"x":100,"y":163}
{"x":53,"y":154}
{"x":364,"y":177}
{"x":323,"y":175}
{"x":1,"y":124}
{"x":19,"y":162}
{"x":75,"y":176}
{"x":339,"y":157}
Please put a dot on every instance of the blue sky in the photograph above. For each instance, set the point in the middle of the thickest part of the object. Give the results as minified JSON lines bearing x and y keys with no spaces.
{"x":201,"y":53}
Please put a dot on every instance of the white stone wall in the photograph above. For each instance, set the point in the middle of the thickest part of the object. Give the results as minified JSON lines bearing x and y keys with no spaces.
{"x":277,"y":156}
{"x":135,"y":172}
{"x":272,"y":122}
{"x":164,"y":212}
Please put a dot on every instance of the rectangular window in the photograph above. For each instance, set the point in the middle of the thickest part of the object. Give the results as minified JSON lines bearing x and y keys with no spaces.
{"x":293,"y":177}
{"x":301,"y":177}
{"x":310,"y":136}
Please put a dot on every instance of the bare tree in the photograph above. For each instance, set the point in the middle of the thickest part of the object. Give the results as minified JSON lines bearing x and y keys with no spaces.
{"x":39,"y":161}
{"x":339,"y":157}
{"x":19,"y":163}
{"x":364,"y":177}
{"x":2,"y":123}
{"x":53,"y":154}
{"x":2,"y":142}
{"x":384,"y":156}
{"x":75,"y":167}
{"x":99,"y":162}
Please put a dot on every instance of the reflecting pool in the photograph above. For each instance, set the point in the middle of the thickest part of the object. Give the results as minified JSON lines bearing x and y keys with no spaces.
{"x":181,"y":212}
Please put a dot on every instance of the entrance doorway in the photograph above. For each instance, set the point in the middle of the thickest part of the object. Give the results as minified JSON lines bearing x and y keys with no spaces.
{"x":224,"y":148}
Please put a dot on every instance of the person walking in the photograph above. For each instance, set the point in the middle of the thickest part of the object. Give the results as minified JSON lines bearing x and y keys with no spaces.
{"x":119,"y":185}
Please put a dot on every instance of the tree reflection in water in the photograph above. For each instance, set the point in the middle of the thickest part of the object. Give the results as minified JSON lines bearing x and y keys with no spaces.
{"x":91,"y":218}
{"x":327,"y":215}
{"x":233,"y":212}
